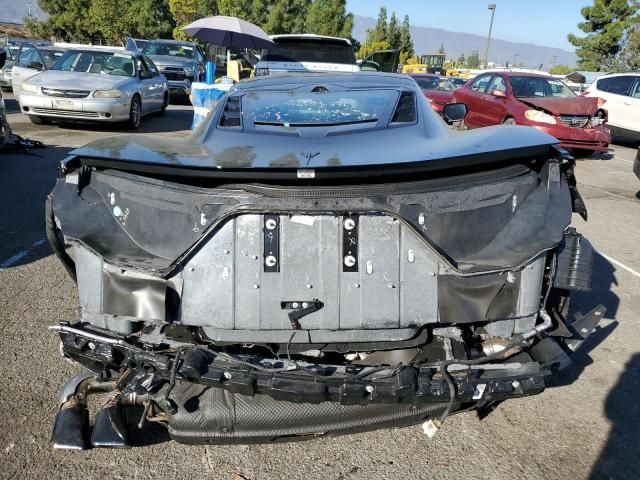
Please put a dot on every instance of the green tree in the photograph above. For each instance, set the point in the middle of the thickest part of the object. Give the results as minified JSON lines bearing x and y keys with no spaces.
{"x":462,"y":61}
{"x":605,"y":24}
{"x":379,"y":32}
{"x":406,"y":42}
{"x":473,"y":60}
{"x":628,"y":58}
{"x":560,"y":70}
{"x":329,"y":17}
{"x":287,"y":16}
{"x":152,"y":19}
{"x":393,"y":32}
{"x":187,"y":11}
{"x":368,"y":48}
{"x":67,"y":20}
{"x":442,"y":51}
{"x":114,"y":19}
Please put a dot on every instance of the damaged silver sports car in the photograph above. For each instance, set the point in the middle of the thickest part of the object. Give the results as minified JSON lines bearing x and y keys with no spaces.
{"x":322,"y":256}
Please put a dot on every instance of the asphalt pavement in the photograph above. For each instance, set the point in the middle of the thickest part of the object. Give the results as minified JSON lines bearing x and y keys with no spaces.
{"x":586,"y":427}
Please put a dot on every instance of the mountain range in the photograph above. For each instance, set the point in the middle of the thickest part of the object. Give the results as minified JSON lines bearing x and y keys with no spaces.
{"x":12,"y":11}
{"x":428,"y":40}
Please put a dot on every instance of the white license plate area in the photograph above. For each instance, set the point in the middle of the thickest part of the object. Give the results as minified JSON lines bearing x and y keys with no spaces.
{"x":64,"y":104}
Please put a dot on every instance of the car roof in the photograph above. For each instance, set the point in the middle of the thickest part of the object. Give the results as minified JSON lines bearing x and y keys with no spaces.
{"x":173,"y":42}
{"x":99,"y":49}
{"x":348,"y":79}
{"x":308,"y":36}
{"x":516,"y":73}
{"x":622,"y":74}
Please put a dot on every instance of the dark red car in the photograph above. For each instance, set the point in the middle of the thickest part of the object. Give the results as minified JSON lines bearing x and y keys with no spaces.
{"x":535,"y":100}
{"x":437,"y":89}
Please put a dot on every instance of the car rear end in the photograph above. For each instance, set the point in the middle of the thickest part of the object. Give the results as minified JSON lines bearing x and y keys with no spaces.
{"x":307,"y":53}
{"x":287,"y":273}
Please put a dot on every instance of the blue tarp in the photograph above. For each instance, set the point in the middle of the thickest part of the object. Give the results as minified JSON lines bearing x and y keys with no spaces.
{"x":204,"y":97}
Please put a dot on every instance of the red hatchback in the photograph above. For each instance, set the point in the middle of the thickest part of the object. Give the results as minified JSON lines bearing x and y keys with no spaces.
{"x":437,"y":89}
{"x":540,"y":101}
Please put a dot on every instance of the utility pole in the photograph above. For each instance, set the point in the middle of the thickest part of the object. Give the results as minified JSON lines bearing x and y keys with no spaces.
{"x":555,"y":60}
{"x":492,"y":7}
{"x":515,"y":59}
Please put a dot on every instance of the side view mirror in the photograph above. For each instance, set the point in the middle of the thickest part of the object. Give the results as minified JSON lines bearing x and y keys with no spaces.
{"x":499,"y":94}
{"x":35,"y":65}
{"x":144,"y":74}
{"x":454,"y":112}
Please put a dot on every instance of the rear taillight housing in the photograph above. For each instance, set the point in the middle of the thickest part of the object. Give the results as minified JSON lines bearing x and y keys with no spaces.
{"x":261,"y":72}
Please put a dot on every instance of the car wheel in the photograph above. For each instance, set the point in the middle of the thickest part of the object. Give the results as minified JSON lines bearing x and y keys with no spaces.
{"x":135,"y":113}
{"x":165,"y":104}
{"x":38,"y":120}
{"x":510,"y":121}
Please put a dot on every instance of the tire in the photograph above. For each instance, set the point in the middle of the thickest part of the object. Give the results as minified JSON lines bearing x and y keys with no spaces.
{"x":135,"y":113}
{"x":509,"y":121}
{"x":38,"y":120}
{"x":165,"y":104}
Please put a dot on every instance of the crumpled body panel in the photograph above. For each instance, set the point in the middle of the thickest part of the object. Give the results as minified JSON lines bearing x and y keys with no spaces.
{"x":490,"y":221}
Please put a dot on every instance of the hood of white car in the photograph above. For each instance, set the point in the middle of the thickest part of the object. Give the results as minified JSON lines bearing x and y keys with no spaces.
{"x":77,"y":80}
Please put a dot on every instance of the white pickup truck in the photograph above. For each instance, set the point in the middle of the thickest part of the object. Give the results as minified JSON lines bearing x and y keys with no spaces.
{"x":317,"y":53}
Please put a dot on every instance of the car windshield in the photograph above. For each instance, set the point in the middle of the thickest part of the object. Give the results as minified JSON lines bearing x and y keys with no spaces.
{"x":50,"y":56}
{"x":307,"y":50}
{"x":536,"y":87}
{"x":311,"y":109}
{"x":171,"y":49}
{"x":435,"y":83}
{"x":106,"y":63}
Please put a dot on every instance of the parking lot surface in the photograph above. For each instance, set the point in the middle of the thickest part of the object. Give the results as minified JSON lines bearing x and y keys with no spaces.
{"x":586,"y":427}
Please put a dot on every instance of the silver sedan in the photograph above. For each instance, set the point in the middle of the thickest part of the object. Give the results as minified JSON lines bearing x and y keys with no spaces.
{"x":95,"y":85}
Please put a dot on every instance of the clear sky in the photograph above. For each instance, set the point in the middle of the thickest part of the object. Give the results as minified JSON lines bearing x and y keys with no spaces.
{"x":543,"y":22}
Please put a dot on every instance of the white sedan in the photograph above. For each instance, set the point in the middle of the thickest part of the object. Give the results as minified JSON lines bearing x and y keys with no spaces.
{"x":95,"y":85}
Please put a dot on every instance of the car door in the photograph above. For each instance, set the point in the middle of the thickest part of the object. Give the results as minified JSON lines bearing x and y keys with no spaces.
{"x":629,"y":116}
{"x":28,"y":63}
{"x":474,"y":99}
{"x":381,"y":61}
{"x":615,"y":90}
{"x":494,"y":109}
{"x":146,"y":83}
{"x":154,"y":86}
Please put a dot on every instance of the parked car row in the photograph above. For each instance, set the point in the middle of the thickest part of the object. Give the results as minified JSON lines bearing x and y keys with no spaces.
{"x":585,"y":123}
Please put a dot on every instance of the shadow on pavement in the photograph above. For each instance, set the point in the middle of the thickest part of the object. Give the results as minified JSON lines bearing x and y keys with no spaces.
{"x":620,"y":457}
{"x":174,"y":120}
{"x":582,"y":302}
{"x":25,"y":181}
{"x":150,"y":434}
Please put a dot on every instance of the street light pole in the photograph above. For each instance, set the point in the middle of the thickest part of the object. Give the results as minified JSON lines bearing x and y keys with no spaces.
{"x":492,"y":7}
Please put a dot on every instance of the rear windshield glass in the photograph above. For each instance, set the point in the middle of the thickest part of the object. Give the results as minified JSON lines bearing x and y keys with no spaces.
{"x":105,"y":63}
{"x":435,"y":83}
{"x":299,"y":50}
{"x":311,"y":109}
{"x":171,"y":49}
{"x":535,"y":87}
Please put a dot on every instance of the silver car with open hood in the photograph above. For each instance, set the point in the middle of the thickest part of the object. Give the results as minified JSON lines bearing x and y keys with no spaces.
{"x":323,"y":255}
{"x":97,"y":85}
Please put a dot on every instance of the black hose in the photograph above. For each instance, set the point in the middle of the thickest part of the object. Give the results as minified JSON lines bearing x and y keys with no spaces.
{"x":55,"y":241}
